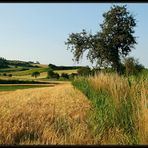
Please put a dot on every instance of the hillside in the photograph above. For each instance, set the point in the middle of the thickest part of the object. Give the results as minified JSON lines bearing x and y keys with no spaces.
{"x":22,"y":70}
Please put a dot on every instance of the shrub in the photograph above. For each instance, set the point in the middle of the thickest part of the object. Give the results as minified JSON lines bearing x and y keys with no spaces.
{"x":52,"y":74}
{"x":65,"y":75}
{"x":132,"y":66}
{"x":10,"y":75}
{"x":4,"y":74}
{"x":72,"y":75}
{"x":84,"y":71}
{"x":35,"y":74}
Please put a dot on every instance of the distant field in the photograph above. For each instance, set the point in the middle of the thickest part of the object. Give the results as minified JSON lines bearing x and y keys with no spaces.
{"x":66,"y":71}
{"x":12,"y":88}
{"x":29,"y":72}
{"x":41,"y":65}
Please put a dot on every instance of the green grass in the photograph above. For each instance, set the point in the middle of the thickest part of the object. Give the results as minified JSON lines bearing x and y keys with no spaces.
{"x":106,"y":114}
{"x":13,"y":88}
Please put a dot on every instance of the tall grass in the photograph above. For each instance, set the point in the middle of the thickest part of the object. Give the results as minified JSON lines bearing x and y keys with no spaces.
{"x":119,"y":108}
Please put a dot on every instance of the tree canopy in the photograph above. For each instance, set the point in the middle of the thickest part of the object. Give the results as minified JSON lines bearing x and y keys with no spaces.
{"x":3,"y":63}
{"x":35,"y":74}
{"x":113,"y":42}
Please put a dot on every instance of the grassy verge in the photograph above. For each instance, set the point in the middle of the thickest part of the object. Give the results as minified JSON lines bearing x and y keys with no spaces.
{"x":118,"y":108}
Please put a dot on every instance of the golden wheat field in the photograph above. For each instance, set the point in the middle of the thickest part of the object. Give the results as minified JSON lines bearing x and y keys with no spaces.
{"x":50,"y":115}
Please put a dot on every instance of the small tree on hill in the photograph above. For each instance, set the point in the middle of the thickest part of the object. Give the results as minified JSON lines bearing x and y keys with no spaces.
{"x":35,"y":74}
{"x":52,"y":74}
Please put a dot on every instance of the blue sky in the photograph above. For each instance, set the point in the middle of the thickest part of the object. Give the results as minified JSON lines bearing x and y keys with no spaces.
{"x":37,"y":32}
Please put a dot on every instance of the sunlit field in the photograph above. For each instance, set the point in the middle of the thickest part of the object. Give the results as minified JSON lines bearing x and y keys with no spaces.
{"x":52,"y":115}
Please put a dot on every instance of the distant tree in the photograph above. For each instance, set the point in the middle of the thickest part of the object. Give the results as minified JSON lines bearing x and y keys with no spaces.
{"x":37,"y":62}
{"x":84,"y":71}
{"x":10,"y":75}
{"x":35,"y":74}
{"x":65,"y":75}
{"x":52,"y":74}
{"x":4,"y":74}
{"x":52,"y":66}
{"x":73,"y":75}
{"x":132,"y":66}
{"x":56,"y":75}
{"x":107,"y":47}
{"x":3,"y":63}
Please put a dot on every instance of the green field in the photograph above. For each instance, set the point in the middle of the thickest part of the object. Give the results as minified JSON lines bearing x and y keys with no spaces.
{"x":13,"y":88}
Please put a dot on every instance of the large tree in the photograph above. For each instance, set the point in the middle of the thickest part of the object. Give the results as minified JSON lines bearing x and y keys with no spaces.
{"x":107,"y":47}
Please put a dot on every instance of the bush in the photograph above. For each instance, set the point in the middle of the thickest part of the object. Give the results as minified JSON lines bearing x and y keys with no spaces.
{"x":65,"y":75}
{"x":73,"y":75}
{"x":84,"y":71}
{"x":52,"y":74}
{"x":35,"y":74}
{"x":4,"y":74}
{"x":132,"y":66}
{"x":10,"y":75}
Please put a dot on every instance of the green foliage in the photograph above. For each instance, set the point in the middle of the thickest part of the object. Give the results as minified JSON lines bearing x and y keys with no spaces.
{"x":106,"y":47}
{"x":51,"y":74}
{"x":4,"y":74}
{"x":132,"y":66}
{"x":52,"y":66}
{"x":10,"y":75}
{"x":72,"y":76}
{"x":3,"y":63}
{"x":104,"y":115}
{"x":65,"y":75}
{"x":35,"y":74}
{"x":20,"y":63}
{"x":84,"y":71}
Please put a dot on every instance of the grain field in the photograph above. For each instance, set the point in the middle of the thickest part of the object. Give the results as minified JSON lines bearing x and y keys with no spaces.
{"x":50,"y":115}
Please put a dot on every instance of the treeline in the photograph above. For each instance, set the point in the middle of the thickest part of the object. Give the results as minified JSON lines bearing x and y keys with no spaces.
{"x":21,"y":63}
{"x":7,"y":63}
{"x":54,"y":67}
